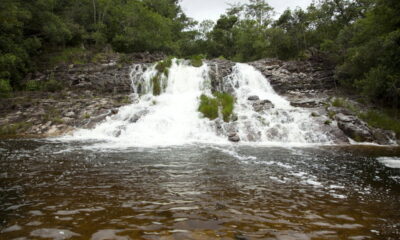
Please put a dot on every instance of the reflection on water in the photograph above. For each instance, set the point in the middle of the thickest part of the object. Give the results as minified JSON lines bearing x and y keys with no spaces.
{"x":61,"y":191}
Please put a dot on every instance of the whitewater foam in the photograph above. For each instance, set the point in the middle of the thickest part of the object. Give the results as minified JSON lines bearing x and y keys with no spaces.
{"x":172,"y":118}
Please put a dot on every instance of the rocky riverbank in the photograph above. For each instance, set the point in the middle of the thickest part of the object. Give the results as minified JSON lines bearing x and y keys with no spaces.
{"x":94,"y":91}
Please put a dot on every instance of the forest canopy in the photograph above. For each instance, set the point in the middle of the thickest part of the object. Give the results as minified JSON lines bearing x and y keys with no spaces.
{"x":361,"y":38}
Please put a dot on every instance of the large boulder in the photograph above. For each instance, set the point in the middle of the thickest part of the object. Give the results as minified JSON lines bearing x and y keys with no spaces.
{"x":354,"y":128}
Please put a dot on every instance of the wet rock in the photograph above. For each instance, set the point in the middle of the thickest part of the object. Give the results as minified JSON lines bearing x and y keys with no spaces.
{"x":253,"y":98}
{"x":233,"y":137}
{"x":138,"y":116}
{"x":354,"y":128}
{"x":262,"y":105}
{"x":305,"y":103}
{"x":114,"y":111}
{"x":384,"y":137}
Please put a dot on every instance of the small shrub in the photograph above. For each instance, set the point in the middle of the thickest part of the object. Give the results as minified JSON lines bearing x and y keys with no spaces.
{"x":124,"y":59}
{"x":197,"y":61}
{"x":156,"y":81}
{"x":86,"y":115}
{"x":338,"y":102}
{"x":12,"y":129}
{"x":226,"y":101}
{"x":210,"y":106}
{"x":5,"y":88}
{"x":52,"y":85}
{"x":331,"y":114}
{"x":33,"y":85}
{"x":163,"y":66}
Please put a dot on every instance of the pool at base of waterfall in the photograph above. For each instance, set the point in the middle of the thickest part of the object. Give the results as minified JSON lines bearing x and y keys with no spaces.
{"x":66,"y":190}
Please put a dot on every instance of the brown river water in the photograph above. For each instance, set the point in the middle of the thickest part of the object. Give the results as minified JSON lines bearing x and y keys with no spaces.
{"x":54,"y":190}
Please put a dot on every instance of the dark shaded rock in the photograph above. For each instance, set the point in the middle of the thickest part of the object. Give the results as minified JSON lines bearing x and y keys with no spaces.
{"x":384,"y":137}
{"x":253,"y":98}
{"x":354,"y":128}
{"x":262,"y":105}
{"x":305,"y":103}
{"x":234,"y":138}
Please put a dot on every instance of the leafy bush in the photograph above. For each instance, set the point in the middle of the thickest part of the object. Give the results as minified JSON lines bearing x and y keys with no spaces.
{"x":197,"y":61}
{"x":163,"y":66}
{"x":52,"y":85}
{"x":5,"y":88}
{"x":33,"y":85}
{"x":210,"y":106}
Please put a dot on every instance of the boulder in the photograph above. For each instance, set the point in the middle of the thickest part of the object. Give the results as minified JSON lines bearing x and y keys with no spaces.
{"x":262,"y":105}
{"x":233,"y":137}
{"x":354,"y":128}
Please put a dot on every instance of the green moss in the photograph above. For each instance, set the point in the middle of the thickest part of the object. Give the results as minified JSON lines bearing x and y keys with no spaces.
{"x":314,"y":114}
{"x":210,"y":106}
{"x":328,"y":122}
{"x":382,"y":120}
{"x":86,"y":115}
{"x":197,"y":61}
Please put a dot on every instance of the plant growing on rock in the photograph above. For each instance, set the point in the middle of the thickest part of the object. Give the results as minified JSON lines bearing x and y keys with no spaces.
{"x":197,"y":61}
{"x":221,"y":102}
{"x":5,"y":88}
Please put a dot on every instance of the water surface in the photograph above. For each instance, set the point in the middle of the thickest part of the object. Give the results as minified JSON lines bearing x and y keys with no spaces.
{"x":56,"y":190}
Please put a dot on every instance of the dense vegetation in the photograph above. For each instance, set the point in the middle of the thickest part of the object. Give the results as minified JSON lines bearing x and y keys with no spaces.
{"x":360,"y":37}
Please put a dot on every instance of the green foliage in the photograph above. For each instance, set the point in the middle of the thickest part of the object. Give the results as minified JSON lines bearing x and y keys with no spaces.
{"x":381,"y":119}
{"x":5,"y":88}
{"x":163,"y":66}
{"x":86,"y":115}
{"x":70,"y":56}
{"x":197,"y":61}
{"x":226,"y":101}
{"x":156,"y":83}
{"x":33,"y":85}
{"x":210,"y":106}
{"x":52,"y":85}
{"x":13,"y":129}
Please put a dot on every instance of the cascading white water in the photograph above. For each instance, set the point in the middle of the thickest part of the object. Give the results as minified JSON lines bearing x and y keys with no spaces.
{"x":172,"y":118}
{"x":281,"y":123}
{"x":168,"y":119}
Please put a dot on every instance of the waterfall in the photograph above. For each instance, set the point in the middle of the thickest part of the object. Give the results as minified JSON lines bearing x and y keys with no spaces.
{"x":171,"y":116}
